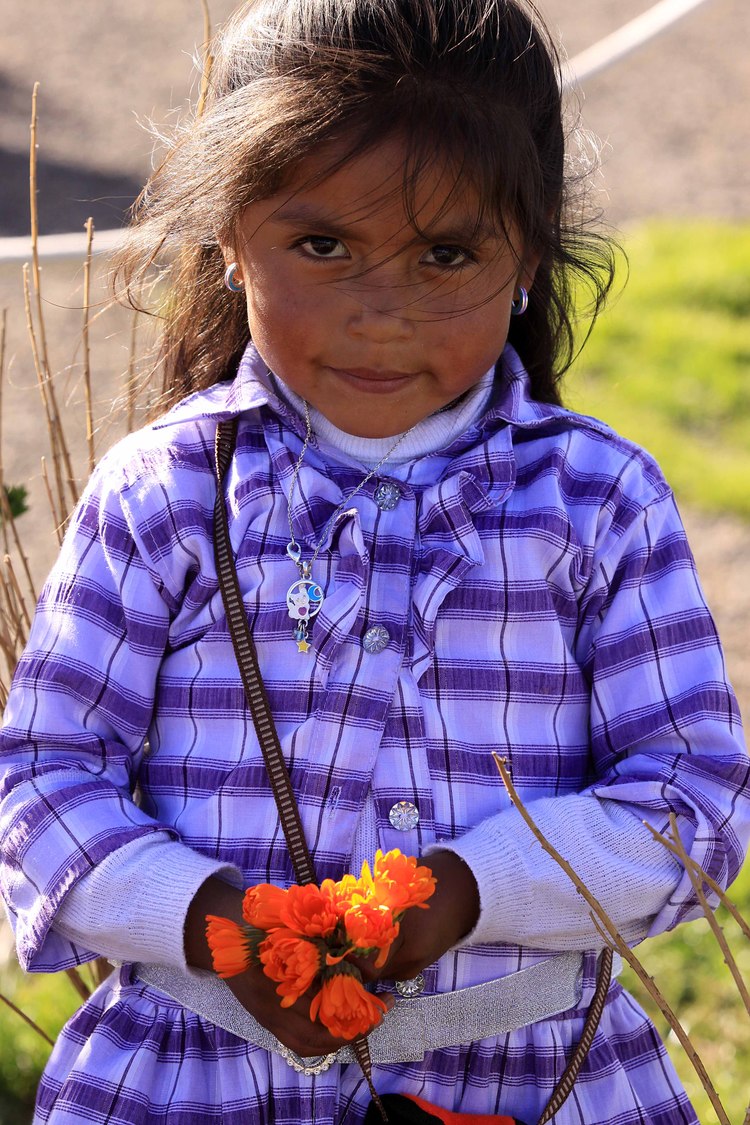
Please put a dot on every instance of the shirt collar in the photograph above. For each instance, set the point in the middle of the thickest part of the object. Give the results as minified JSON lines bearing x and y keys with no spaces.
{"x":251,"y":389}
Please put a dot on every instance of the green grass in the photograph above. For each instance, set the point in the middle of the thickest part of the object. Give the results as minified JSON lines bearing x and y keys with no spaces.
{"x":687,"y":965}
{"x":49,"y":1000}
{"x":668,"y":364}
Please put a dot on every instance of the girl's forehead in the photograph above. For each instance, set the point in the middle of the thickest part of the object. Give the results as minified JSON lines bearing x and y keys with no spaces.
{"x":385,"y":182}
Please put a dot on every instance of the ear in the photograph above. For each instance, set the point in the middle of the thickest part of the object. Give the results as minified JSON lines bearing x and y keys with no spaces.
{"x":527,"y":269}
{"x":228,"y":253}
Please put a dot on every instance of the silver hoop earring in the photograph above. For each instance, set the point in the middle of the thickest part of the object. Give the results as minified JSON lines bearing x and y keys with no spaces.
{"x":519,"y":307}
{"x":233,"y":283}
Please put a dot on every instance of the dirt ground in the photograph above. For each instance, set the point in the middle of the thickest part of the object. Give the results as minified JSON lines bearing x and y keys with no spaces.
{"x":672,"y":119}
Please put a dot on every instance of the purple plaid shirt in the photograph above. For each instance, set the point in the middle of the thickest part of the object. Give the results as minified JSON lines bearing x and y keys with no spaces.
{"x":538,"y":599}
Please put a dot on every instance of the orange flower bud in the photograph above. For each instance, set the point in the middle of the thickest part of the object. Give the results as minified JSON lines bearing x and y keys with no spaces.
{"x":309,"y":910}
{"x":399,"y":883}
{"x":232,"y":947}
{"x":292,"y":961}
{"x":345,"y":1007}
{"x":371,"y":926}
{"x":345,"y":892}
{"x":262,"y":905}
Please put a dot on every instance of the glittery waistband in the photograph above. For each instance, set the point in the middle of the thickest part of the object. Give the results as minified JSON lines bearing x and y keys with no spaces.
{"x":414,"y":1026}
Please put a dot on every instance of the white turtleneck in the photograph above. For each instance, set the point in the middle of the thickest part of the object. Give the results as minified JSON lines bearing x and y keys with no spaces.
{"x":433,"y":433}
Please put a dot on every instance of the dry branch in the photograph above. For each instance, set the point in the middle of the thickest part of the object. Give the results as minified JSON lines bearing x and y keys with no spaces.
{"x":611,"y":936}
{"x":29,"y":1021}
{"x":208,"y":59}
{"x":42,"y":355}
{"x":86,"y":344}
{"x":719,"y":891}
{"x":710,"y":916}
{"x":3,"y":497}
{"x":45,"y":386}
{"x":78,"y":983}
{"x":56,"y":519}
{"x":24,"y":616}
{"x":130,"y":389}
{"x":8,"y":519}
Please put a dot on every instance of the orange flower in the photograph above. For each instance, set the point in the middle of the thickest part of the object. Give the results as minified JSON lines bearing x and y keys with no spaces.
{"x":345,"y":892}
{"x":290,"y":960}
{"x":371,"y":926}
{"x":309,"y":910}
{"x":262,"y":904}
{"x":345,"y":1007}
{"x":231,"y":945}
{"x":397,"y":881}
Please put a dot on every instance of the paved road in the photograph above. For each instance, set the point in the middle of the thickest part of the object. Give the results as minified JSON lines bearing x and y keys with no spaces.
{"x":674,"y":117}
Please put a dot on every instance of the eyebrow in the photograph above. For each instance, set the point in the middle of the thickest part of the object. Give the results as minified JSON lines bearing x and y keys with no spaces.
{"x":462,"y":231}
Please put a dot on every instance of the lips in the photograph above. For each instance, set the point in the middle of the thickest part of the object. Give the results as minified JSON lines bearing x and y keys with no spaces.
{"x":370,"y":378}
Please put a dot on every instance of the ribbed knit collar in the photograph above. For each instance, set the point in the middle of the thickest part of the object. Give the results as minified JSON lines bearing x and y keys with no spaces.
{"x":432,"y":434}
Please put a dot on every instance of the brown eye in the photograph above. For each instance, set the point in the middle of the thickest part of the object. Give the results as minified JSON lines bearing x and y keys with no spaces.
{"x":321,"y":246}
{"x":450,"y":256}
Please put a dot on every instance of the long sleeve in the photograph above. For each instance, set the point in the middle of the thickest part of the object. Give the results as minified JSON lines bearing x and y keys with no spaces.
{"x":77,"y":720}
{"x":132,"y":906}
{"x":665,"y":736}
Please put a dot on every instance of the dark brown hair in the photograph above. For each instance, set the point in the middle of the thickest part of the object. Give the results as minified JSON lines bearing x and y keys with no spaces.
{"x":475,"y":83}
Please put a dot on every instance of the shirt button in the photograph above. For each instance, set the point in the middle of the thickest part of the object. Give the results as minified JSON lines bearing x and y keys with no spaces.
{"x":387,"y":496}
{"x":410,"y":988}
{"x":404,"y":816}
{"x":376,"y":639}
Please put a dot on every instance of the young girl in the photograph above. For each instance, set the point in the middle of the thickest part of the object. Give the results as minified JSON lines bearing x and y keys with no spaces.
{"x":437,"y":561}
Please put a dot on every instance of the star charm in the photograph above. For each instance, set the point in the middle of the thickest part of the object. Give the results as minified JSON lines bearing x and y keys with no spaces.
{"x":302,"y":646}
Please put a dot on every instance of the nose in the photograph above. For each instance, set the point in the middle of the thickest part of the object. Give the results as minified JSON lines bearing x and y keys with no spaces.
{"x":380,"y":313}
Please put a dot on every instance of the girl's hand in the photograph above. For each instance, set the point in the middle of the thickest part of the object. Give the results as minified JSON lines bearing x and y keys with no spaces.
{"x":425,"y":935}
{"x":254,"y":990}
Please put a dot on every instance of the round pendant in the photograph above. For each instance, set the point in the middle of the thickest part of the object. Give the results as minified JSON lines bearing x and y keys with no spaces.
{"x":304,"y":599}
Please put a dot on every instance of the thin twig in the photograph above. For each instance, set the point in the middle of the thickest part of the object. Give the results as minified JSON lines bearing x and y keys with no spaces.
{"x":101,"y":969}
{"x":5,"y":504}
{"x":16,"y":631}
{"x":130,"y":386}
{"x":86,"y":343}
{"x":611,"y":936}
{"x":78,"y":983}
{"x":58,"y":435}
{"x":57,"y":522}
{"x":29,"y":1021}
{"x":8,"y":564}
{"x":723,"y":896}
{"x":44,"y":389}
{"x":658,"y":997}
{"x":208,"y":59}
{"x":21,"y":553}
{"x":710,"y":916}
{"x":8,"y":519}
{"x":34,"y":219}
{"x":7,"y":642}
{"x":13,"y":614}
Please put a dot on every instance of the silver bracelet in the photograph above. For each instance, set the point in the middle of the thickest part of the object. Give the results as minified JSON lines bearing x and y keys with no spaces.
{"x":309,"y":1067}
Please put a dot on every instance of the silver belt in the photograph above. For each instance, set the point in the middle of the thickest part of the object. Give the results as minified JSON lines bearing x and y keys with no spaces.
{"x":414,"y":1026}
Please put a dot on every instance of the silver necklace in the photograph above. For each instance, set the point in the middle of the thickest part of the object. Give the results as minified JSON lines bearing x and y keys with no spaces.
{"x":305,"y":597}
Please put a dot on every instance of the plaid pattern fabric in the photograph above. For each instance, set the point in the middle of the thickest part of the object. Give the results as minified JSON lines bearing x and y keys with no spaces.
{"x":540,"y":601}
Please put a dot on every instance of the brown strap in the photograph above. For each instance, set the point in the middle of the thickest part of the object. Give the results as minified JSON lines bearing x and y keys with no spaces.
{"x":596,"y":1007}
{"x":247,"y":659}
{"x":257,"y":699}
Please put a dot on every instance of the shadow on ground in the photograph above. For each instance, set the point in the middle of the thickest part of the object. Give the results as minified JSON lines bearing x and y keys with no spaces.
{"x":67,"y":195}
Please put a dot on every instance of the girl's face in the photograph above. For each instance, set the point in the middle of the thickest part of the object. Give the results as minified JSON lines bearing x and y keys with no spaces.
{"x":375,"y":325}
